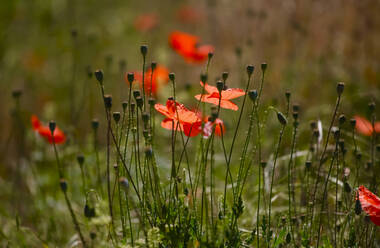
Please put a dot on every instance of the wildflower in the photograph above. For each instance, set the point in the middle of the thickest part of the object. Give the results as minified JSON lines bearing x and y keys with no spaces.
{"x":146,"y":22}
{"x":188,"y":14}
{"x":370,"y":203}
{"x":365,"y":127}
{"x":44,"y":131}
{"x":187,"y":46}
{"x":178,"y":117}
{"x":219,"y":127}
{"x":152,"y":83}
{"x":213,"y":96}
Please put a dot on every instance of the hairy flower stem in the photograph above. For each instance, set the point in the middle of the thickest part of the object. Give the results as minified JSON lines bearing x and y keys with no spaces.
{"x":108,"y":171}
{"x":68,"y":202}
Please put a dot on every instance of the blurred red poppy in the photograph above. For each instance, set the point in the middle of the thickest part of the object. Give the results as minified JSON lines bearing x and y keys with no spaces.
{"x":364,"y":126}
{"x":146,"y":22}
{"x":153,"y":84}
{"x":188,"y":14}
{"x":213,"y":96}
{"x":187,"y":46}
{"x":44,"y":131}
{"x":370,"y":204}
{"x":178,"y":117}
{"x":219,"y":127}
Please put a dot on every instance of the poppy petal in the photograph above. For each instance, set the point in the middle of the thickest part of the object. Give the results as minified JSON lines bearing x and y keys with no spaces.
{"x":35,"y":122}
{"x":223,"y":103}
{"x":363,"y":126}
{"x":370,"y":204}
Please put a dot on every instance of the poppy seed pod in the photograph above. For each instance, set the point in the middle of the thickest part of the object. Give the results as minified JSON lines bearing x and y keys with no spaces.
{"x":89,"y":212}
{"x":108,"y":101}
{"x":148,"y":151}
{"x":93,"y":235}
{"x":133,"y":107}
{"x":152,"y":101}
{"x":340,"y":88}
{"x":145,"y":117}
{"x":371,"y":107}
{"x":124,"y":183}
{"x":99,"y":76}
{"x":80,"y":159}
{"x":63,"y":184}
{"x":203,"y":78}
{"x":263,"y":164}
{"x":347,"y":187}
{"x":210,"y":55}
{"x":139,"y":102}
{"x":342,"y":119}
{"x":253,"y":95}
{"x":170,"y":98}
{"x":250,"y":69}
{"x":136,"y":93}
{"x":263,"y":66}
{"x":295,"y":115}
{"x":308,"y":164}
{"x":131,"y":77}
{"x":144,"y":50}
{"x":153,"y":65}
{"x":95,"y":124}
{"x":336,"y":133}
{"x":124,"y":105}
{"x":296,"y":107}
{"x":281,"y":118}
{"x":16,"y":93}
{"x":219,"y":85}
{"x":116,"y":116}
{"x":353,"y":122}
{"x":358,"y":207}
{"x":287,"y":95}
{"x":146,"y":133}
{"x":313,"y":125}
{"x":172,"y":76}
{"x":224,"y":76}
{"x":52,"y":126}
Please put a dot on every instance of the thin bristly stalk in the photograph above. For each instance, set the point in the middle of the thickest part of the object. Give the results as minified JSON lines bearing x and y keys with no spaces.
{"x":64,"y":188}
{"x":108,"y":170}
{"x":99,"y":179}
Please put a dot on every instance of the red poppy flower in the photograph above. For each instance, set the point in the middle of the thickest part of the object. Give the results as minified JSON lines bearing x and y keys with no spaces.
{"x":44,"y":131}
{"x":219,"y":127}
{"x":160,"y":77}
{"x":370,"y":204}
{"x":146,"y":22}
{"x":188,"y":14}
{"x":177,"y":114}
{"x":187,"y":46}
{"x":365,"y":127}
{"x":213,"y":96}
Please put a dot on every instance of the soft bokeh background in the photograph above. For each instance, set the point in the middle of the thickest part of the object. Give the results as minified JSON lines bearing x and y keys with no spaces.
{"x":47,"y":49}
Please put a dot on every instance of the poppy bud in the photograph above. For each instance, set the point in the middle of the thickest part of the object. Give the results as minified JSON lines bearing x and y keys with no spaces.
{"x":95,"y":124}
{"x":52,"y":126}
{"x":144,"y":50}
{"x":116,"y":116}
{"x":99,"y":76}
{"x":124,"y":105}
{"x":283,"y":220}
{"x":153,"y":65}
{"x":186,"y":191}
{"x":353,"y":123}
{"x":296,"y":107}
{"x":214,"y":115}
{"x":146,"y":133}
{"x":371,"y":107}
{"x":263,"y":164}
{"x":378,"y":147}
{"x":170,"y":98}
{"x":281,"y":118}
{"x":210,"y":55}
{"x":250,"y":69}
{"x":295,"y":115}
{"x":63,"y":184}
{"x":358,"y":155}
{"x":252,"y":95}
{"x":203,"y":78}
{"x":152,"y":101}
{"x":308,"y":164}
{"x":336,"y":133}
{"x":108,"y":101}
{"x":136,"y":93}
{"x":358,"y":207}
{"x":93,"y":235}
{"x":347,"y":187}
{"x":313,"y":125}
{"x":263,"y":67}
{"x":145,"y":117}
{"x":133,"y":107}
{"x":80,"y":159}
{"x":139,"y":102}
{"x":342,"y":119}
{"x":16,"y":93}
{"x":287,"y":95}
{"x":225,"y":76}
{"x":89,"y":212}
{"x":219,"y":86}
{"x":130,"y":77}
{"x":340,"y":88}
{"x":288,"y":238}
{"x":124,"y":183}
{"x":148,"y":151}
{"x":172,"y":76}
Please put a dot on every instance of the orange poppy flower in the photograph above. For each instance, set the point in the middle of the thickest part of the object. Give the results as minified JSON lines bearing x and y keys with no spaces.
{"x":44,"y":131}
{"x":160,"y":77}
{"x":219,"y":127}
{"x":146,"y":22}
{"x":365,"y":127}
{"x":213,"y":96}
{"x":188,"y":14}
{"x":370,"y":204}
{"x":187,"y":46}
{"x":177,"y":114}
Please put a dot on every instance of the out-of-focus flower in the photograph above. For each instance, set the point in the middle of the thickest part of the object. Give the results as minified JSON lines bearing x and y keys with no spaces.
{"x":146,"y":22}
{"x":370,"y":203}
{"x":44,"y":131}
{"x":213,"y":96}
{"x":152,"y":83}
{"x":187,"y":46}
{"x":178,"y":117}
{"x":364,"y":126}
{"x":219,"y":127}
{"x":188,"y":14}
